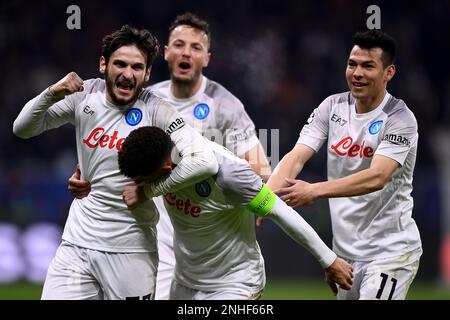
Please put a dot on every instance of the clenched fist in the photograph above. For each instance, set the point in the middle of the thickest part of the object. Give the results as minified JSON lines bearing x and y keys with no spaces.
{"x":71,"y":83}
{"x":133,"y":195}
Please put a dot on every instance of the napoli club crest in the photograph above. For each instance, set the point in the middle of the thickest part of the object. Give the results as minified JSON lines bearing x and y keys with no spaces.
{"x":133,"y":116}
{"x":201,"y":111}
{"x":375,"y":127}
{"x":203,"y":189}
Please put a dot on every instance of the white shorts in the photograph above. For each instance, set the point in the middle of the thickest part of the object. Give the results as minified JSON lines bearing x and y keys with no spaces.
{"x":77,"y":273}
{"x":181,"y":292}
{"x":166,"y":267}
{"x":382,"y":279}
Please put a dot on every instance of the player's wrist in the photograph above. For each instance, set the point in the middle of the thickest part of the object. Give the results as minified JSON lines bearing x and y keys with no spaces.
{"x":319,"y":190}
{"x":53,"y":92}
{"x":263,"y":203}
{"x":328,"y":260}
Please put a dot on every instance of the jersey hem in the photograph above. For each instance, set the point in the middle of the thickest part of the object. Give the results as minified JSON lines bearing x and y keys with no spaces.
{"x":376,"y":257}
{"x":109,"y":249}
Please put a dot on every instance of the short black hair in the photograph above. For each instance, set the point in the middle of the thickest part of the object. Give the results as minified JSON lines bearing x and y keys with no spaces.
{"x":375,"y":38}
{"x":144,"y":151}
{"x":127,"y":35}
{"x":194,"y":21}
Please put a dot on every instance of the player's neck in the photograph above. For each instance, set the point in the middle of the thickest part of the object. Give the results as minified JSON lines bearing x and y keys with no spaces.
{"x":369,"y":104}
{"x":183,"y":90}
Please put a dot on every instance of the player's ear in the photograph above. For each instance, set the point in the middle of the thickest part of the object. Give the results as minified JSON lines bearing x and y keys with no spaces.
{"x":147,"y":73}
{"x":207,"y":58}
{"x":166,"y":52}
{"x":102,"y":65}
{"x":389,"y":73}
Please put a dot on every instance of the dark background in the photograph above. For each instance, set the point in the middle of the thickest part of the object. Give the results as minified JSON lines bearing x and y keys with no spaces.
{"x":280,"y":58}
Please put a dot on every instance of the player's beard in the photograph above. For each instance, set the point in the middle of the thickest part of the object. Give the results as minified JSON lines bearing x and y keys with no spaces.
{"x":182,"y":81}
{"x":110,"y":85}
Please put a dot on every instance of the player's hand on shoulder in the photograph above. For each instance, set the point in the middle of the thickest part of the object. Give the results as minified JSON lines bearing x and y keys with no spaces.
{"x":133,"y":195}
{"x":71,"y":83}
{"x":340,"y":272}
{"x":78,"y":187}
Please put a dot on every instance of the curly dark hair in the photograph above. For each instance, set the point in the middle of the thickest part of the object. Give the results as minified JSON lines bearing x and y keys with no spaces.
{"x":375,"y":38}
{"x":144,"y":151}
{"x":194,"y":21}
{"x":142,"y":39}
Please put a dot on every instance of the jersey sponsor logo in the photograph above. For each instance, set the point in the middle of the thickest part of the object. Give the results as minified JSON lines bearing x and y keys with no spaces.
{"x":201,"y":111}
{"x":98,"y":138}
{"x":133,"y":116}
{"x":175,"y":125}
{"x":346,"y":147}
{"x":203,"y":189}
{"x":338,"y":119}
{"x":182,"y":205}
{"x":239,"y":134}
{"x":375,"y":127}
{"x":396,"y":139}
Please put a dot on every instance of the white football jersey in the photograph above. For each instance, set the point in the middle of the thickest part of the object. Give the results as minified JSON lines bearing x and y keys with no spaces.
{"x":214,"y":112}
{"x":219,"y":116}
{"x":216,"y":245}
{"x":101,"y":221}
{"x":378,"y":224}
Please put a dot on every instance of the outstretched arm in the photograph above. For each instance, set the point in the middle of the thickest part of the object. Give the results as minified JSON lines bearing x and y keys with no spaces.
{"x":267,"y":204}
{"x":290,"y":166}
{"x":301,"y":193}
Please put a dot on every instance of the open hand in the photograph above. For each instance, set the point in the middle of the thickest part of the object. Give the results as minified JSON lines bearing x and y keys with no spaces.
{"x":298,"y":194}
{"x":341,"y":273}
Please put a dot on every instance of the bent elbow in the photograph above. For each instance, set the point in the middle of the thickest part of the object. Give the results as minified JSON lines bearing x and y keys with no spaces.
{"x":378,"y":186}
{"x":20,"y":132}
{"x":379,"y":182}
{"x":211,"y":167}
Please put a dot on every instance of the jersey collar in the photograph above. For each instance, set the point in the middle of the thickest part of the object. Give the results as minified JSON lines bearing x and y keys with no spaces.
{"x":196,"y":97}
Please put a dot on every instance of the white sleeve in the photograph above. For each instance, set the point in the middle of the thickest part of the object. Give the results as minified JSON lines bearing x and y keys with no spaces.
{"x":238,"y":129}
{"x":42,"y":113}
{"x":399,"y":136}
{"x":315,"y":132}
{"x":299,"y":230}
{"x":197,"y":159}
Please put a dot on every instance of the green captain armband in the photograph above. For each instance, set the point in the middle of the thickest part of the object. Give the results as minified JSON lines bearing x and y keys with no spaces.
{"x":263,"y":202}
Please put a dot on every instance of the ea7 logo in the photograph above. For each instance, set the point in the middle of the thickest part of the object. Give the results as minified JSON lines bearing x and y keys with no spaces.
{"x":396,"y":139}
{"x":88,"y":110}
{"x":338,"y":119}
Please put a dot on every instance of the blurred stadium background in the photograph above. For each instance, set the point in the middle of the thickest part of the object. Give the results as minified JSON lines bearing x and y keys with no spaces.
{"x":281,"y":58}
